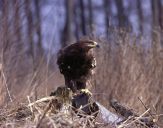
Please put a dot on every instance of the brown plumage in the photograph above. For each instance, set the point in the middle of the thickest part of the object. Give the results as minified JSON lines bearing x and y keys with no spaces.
{"x":76,"y":63}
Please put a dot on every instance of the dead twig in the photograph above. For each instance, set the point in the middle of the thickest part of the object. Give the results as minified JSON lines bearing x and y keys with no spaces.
{"x":6,"y":85}
{"x":136,"y":119}
{"x":43,"y":115}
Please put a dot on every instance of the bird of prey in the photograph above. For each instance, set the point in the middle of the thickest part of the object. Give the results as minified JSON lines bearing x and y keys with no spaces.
{"x":76,"y":62}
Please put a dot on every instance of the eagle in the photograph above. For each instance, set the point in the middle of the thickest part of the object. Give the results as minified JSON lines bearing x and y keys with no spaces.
{"x":76,"y":62}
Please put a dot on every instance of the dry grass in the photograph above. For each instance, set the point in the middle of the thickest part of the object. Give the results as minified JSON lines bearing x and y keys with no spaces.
{"x":130,"y":68}
{"x":42,"y":114}
{"x":127,"y":68}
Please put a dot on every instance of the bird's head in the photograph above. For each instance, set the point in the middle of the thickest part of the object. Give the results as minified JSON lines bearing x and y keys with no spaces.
{"x":89,"y":44}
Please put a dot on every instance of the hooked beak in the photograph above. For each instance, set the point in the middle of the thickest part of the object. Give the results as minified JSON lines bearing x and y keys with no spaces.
{"x":95,"y":45}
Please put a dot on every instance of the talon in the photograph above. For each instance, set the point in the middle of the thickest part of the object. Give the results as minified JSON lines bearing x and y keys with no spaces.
{"x":86,"y":91}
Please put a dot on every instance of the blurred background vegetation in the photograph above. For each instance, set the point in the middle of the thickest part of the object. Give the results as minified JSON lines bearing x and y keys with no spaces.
{"x":129,"y":63}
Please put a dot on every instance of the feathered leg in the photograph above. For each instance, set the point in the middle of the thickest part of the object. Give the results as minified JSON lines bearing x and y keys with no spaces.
{"x":70,"y":84}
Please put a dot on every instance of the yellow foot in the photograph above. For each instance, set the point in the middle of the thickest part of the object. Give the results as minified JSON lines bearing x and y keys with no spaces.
{"x":86,"y":91}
